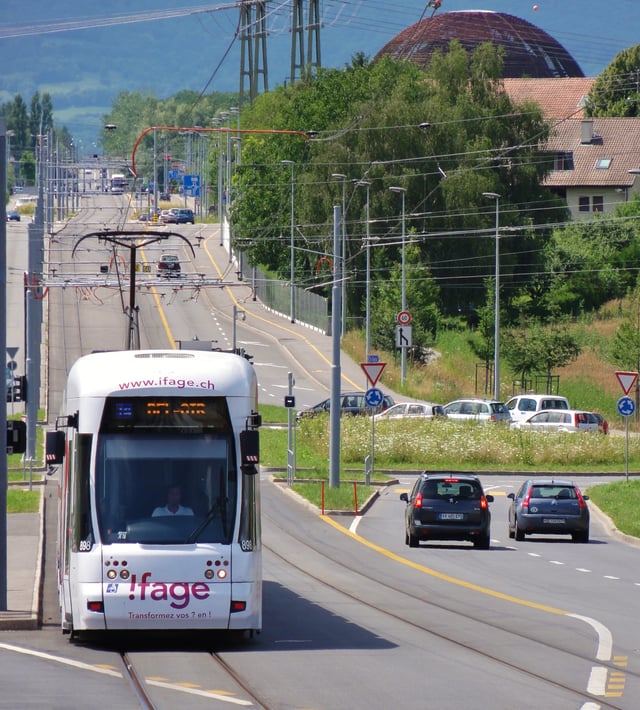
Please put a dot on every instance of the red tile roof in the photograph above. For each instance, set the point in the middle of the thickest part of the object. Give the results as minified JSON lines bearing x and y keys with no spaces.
{"x":558,"y":98}
{"x":617,"y":139}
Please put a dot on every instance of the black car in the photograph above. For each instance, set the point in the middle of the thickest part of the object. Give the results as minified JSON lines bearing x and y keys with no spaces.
{"x":447,"y":506}
{"x":350,"y":403}
{"x":13,"y":216}
{"x":547,"y":506}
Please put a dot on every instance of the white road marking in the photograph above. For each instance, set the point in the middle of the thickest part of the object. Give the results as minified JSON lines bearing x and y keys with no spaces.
{"x":59,"y":659}
{"x":605,"y":639}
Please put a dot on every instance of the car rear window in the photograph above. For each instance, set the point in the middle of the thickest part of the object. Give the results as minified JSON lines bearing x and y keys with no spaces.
{"x":498,"y":407}
{"x":451,"y":488}
{"x":553,"y":491}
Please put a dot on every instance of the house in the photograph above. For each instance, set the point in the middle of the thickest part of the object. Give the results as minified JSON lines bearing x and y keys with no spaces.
{"x":593,"y":163}
{"x":592,"y":157}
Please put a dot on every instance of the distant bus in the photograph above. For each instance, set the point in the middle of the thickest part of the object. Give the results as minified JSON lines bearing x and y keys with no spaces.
{"x":118,"y":183}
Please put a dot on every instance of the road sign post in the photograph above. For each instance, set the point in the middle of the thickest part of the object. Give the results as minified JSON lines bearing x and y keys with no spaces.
{"x":373,"y":398}
{"x":626,"y":407}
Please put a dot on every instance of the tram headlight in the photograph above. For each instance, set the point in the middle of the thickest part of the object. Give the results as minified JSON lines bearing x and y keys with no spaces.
{"x":208,"y":573}
{"x":222,"y":573}
{"x":111,"y":574}
{"x":124,"y":574}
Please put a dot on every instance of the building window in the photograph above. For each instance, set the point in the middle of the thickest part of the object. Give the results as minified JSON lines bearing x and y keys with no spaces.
{"x":598,"y":203}
{"x":584,"y":204}
{"x":603,"y":164}
{"x":563,"y":161}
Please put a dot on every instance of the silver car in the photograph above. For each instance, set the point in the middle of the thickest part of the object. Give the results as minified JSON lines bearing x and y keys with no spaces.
{"x":550,"y":507}
{"x":411,"y":410}
{"x":480,"y":410}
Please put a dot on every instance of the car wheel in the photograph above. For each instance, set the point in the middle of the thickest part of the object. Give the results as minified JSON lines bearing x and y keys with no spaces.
{"x":519,"y":534}
{"x":512,"y":533}
{"x":580,"y":536}
{"x":413,"y":540}
{"x":483,"y":543}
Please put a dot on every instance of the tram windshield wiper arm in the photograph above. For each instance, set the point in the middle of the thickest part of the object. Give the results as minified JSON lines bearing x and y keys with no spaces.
{"x":196,"y":533}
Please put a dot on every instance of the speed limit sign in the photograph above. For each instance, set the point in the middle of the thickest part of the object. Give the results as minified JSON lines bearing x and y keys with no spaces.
{"x":403,"y":318}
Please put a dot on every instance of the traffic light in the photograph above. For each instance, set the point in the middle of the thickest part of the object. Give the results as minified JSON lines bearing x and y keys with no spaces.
{"x":16,"y":437}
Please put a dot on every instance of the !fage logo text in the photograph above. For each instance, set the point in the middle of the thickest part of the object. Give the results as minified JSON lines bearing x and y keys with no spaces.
{"x":178,"y":594}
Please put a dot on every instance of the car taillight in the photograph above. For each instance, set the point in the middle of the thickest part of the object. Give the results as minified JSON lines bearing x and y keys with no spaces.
{"x":492,"y":417}
{"x":483,"y":503}
{"x":417,"y":503}
{"x":525,"y":500}
{"x":581,"y":503}
{"x":451,"y":480}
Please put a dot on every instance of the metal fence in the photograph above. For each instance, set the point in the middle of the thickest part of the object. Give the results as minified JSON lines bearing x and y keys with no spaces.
{"x":310,"y":308}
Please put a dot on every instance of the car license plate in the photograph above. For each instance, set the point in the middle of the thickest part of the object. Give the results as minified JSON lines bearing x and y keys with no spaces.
{"x":554,"y":521}
{"x":451,"y":516}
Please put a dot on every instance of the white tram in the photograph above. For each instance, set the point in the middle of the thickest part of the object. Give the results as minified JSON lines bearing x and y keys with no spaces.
{"x":159,"y":493}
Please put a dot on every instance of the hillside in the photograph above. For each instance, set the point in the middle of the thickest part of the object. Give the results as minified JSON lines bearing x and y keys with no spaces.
{"x":589,"y":382}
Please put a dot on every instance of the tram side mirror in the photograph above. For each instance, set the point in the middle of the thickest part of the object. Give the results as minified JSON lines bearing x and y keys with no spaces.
{"x":54,"y":447}
{"x":249,"y":451}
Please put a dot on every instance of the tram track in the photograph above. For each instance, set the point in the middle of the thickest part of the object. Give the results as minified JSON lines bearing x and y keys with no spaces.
{"x":137,"y":683}
{"x":162,"y":688}
{"x":376,"y":588}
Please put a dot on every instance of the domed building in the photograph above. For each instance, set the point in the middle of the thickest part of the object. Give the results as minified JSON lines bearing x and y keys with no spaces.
{"x":529,"y":51}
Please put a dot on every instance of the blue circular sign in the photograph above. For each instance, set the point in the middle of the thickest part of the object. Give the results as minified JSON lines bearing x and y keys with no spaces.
{"x":373,"y":397}
{"x":626,"y":406}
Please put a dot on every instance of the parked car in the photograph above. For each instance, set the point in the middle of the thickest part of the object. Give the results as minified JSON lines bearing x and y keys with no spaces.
{"x":603,"y":424}
{"x":13,"y":216}
{"x":445,"y":506}
{"x":169,"y":266}
{"x":411,"y":410}
{"x":164,"y":216}
{"x":350,"y":403}
{"x":560,"y":420}
{"x":482,"y":410}
{"x":547,"y":506}
{"x":522,"y":406}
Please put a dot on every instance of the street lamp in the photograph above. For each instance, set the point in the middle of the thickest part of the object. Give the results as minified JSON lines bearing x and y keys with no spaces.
{"x":292,"y":311}
{"x":341,"y":272}
{"x":367,"y":184}
{"x":403,"y":298}
{"x":496,"y":321}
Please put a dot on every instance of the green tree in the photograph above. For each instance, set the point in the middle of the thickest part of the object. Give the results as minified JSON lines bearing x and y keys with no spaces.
{"x":394,"y":124}
{"x":625,"y":348}
{"x":616,"y":92}
{"x":421,"y":299}
{"x":591,"y":262}
{"x":538,"y":349}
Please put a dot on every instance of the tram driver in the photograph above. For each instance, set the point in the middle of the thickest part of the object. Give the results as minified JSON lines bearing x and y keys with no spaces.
{"x":173,"y":506}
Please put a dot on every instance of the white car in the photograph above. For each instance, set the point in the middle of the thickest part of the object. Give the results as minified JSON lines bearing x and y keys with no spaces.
{"x":561,"y":420}
{"x":522,"y":406}
{"x":411,"y":410}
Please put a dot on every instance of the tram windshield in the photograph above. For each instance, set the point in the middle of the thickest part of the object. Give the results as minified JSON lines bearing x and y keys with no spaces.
{"x":161,"y":488}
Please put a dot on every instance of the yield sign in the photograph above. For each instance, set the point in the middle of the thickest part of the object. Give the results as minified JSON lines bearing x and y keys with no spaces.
{"x":373,"y":370}
{"x":627,"y":380}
